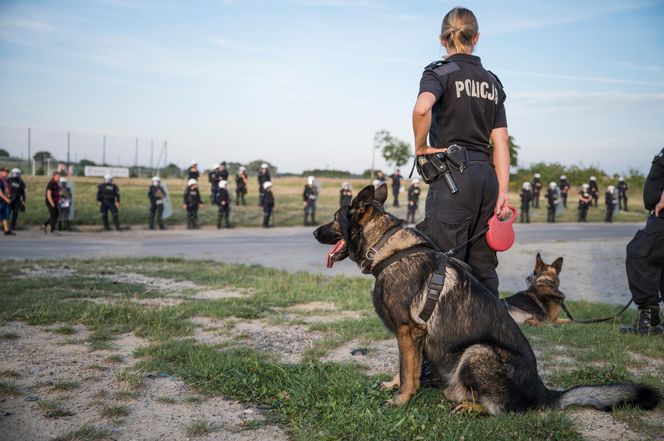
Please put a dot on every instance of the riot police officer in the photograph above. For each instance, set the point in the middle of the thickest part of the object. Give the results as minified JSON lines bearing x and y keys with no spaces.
{"x":309,"y":199}
{"x":108,"y":197}
{"x":622,"y":194}
{"x":593,"y":188}
{"x":192,"y":171}
{"x":585,"y":200}
{"x":380,"y":176}
{"x":552,"y":201}
{"x":191,"y":202}
{"x":157,"y":196}
{"x":461,"y":107}
{"x":536,"y":189}
{"x":213,"y":179}
{"x":268,"y":203}
{"x":64,"y":205}
{"x":5,"y":198}
{"x":396,"y":186}
{"x":413,"y":200}
{"x":526,"y":196}
{"x":610,"y":201}
{"x":564,"y":189}
{"x":18,"y":196}
{"x":263,"y":177}
{"x":223,"y":200}
{"x":645,"y":255}
{"x":222,"y":172}
{"x":241,"y":180}
{"x":345,"y":194}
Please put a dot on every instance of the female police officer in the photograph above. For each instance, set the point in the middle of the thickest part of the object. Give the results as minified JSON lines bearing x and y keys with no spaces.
{"x":460,"y":103}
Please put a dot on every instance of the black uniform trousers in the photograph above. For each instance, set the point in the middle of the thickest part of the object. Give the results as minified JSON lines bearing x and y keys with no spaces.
{"x":622,"y":201}
{"x":451,"y":219}
{"x":525,"y":212}
{"x":395,"y":193}
{"x":645,"y":263}
{"x":14,"y":209}
{"x":157,"y":211}
{"x":106,"y":206}
{"x":53,"y":216}
{"x":192,"y":217}
{"x":224,"y":216}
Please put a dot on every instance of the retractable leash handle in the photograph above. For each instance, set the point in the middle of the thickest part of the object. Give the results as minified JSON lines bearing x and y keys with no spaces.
{"x":500,"y":236}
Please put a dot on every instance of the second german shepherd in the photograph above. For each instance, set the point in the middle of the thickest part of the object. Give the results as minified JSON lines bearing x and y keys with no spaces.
{"x":542,"y":300}
{"x":470,"y":341}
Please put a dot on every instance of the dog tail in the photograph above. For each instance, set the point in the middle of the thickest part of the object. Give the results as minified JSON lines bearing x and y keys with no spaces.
{"x":607,"y":396}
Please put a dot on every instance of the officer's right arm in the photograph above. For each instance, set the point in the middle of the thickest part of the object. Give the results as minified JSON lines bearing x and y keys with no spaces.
{"x":660,"y":205}
{"x":422,"y":122}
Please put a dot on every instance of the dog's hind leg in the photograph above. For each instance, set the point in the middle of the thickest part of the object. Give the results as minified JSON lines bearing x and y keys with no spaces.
{"x":410,"y":340}
{"x":479,"y":379}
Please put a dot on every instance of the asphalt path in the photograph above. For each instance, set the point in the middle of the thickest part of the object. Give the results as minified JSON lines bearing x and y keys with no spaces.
{"x":594,"y":247}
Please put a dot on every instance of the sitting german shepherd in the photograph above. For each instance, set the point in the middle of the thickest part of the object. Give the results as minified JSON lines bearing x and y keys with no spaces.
{"x":470,"y":341}
{"x":542,"y":300}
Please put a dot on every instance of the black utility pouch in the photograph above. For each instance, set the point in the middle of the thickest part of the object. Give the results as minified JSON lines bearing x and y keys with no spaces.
{"x":426,"y":169}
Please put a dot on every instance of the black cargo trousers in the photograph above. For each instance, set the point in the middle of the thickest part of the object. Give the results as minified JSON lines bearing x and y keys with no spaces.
{"x":451,"y":219}
{"x":645,"y":263}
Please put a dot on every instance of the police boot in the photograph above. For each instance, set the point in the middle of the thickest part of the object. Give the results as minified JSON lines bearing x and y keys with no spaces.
{"x":219,"y":221}
{"x":313,"y":219}
{"x":104,"y":219}
{"x":648,"y":322}
{"x":116,"y":222}
{"x":306,"y":219}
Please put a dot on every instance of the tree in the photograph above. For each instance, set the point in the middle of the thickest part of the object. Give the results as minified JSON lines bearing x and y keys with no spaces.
{"x":4,"y":153}
{"x":395,"y":151}
{"x":171,"y":170}
{"x":254,"y":166}
{"x":514,"y":150}
{"x":42,"y":156}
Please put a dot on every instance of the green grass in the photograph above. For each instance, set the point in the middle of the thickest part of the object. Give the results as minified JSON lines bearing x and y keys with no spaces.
{"x":86,"y":432}
{"x":314,"y":400}
{"x":7,"y":388}
{"x":114,"y":411}
{"x":114,"y":359}
{"x":65,"y":386}
{"x":198,"y":428}
{"x":52,"y":409}
{"x":288,"y":194}
{"x":65,"y":330}
{"x":9,"y":336}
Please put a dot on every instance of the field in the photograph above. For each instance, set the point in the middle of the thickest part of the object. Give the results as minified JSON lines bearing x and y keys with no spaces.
{"x":288,"y":194}
{"x":172,"y":349}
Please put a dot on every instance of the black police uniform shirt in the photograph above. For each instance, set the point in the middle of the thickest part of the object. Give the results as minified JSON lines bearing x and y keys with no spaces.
{"x":192,"y":198}
{"x":108,"y":193}
{"x":414,"y":194}
{"x":652,"y":190}
{"x":469,"y":102}
{"x":526,"y":196}
{"x":17,"y":189}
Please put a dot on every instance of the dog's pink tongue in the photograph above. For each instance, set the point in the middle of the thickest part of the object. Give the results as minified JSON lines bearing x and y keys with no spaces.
{"x":334,"y":251}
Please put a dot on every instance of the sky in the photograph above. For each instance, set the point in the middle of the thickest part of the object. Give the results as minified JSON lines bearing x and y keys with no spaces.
{"x":306,"y":84}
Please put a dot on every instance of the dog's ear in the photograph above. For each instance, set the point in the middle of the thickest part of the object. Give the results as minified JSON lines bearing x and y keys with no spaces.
{"x":539,"y":264}
{"x":381,"y":194}
{"x":558,"y":264}
{"x":364,"y":198}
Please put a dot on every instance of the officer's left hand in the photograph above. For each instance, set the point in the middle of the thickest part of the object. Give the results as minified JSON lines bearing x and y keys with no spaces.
{"x":660,"y":206}
{"x":503,"y":205}
{"x":117,"y":205}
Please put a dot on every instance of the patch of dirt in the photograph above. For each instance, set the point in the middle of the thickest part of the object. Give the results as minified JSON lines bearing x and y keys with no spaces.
{"x":312,"y":306}
{"x":159,"y":301}
{"x":157,"y":283}
{"x":216,"y":294}
{"x":159,"y":410}
{"x":652,"y":366}
{"x":210,"y":331}
{"x":595,"y":425}
{"x":38,"y":271}
{"x":382,"y":356}
{"x":287,"y":343}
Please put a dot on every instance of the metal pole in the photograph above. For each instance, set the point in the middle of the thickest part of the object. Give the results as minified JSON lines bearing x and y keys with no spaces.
{"x":373,"y":160}
{"x":68,"y":146}
{"x":136,"y":155}
{"x":166,"y":154}
{"x":152,"y":154}
{"x":30,"y":162}
{"x":103,"y":154}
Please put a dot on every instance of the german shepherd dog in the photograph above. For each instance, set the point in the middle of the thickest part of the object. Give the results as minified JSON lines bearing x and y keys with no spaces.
{"x":470,"y":341}
{"x":542,"y":300}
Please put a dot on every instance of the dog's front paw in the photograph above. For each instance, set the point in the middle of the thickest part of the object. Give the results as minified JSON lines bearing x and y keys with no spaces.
{"x":397,"y":400}
{"x":388,"y":385}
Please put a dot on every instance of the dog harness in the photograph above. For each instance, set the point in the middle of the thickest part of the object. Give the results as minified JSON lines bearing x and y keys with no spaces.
{"x":436,"y":281}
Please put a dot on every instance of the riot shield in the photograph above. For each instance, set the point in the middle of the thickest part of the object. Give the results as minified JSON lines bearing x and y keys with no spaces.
{"x":72,"y":205}
{"x":168,"y":205}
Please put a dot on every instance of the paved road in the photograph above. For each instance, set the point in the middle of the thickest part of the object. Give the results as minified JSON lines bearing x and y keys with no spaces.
{"x":594,"y":251}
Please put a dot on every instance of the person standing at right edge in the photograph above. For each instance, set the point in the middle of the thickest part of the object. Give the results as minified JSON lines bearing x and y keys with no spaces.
{"x":461,"y":107}
{"x":645,"y":255}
